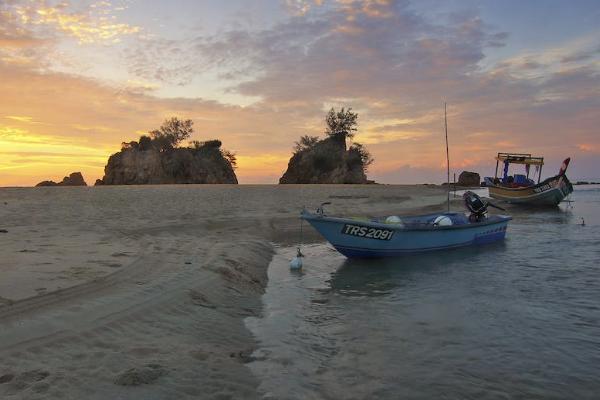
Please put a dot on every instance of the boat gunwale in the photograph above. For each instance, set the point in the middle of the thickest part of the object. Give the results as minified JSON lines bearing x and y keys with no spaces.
{"x":396,"y":227}
{"x":524,"y":188}
{"x":533,"y":196}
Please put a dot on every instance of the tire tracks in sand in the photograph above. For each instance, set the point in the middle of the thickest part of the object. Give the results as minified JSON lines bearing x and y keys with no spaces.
{"x":172,"y":319}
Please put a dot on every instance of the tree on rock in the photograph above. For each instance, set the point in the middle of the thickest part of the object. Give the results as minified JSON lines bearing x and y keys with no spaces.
{"x":159,"y":158}
{"x":359,"y":155}
{"x":341,"y":124}
{"x":328,"y":160}
{"x":305,"y":143}
{"x":172,"y":132}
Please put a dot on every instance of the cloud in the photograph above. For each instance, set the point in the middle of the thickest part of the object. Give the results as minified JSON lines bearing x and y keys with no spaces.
{"x":393,"y":65}
{"x":21,"y":118}
{"x":589,"y":147}
{"x":301,"y":7}
{"x":579,"y":56}
{"x":81,"y":116}
{"x":365,"y":51}
{"x":12,"y":35}
{"x":94,"y":24}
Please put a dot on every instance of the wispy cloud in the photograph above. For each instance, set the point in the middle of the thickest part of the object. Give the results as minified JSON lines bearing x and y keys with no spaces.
{"x":95,"y":24}
{"x":21,"y":118}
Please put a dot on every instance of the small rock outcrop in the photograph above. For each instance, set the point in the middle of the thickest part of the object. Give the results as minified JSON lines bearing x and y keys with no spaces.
{"x":47,"y":183}
{"x":469,"y":179}
{"x":329,"y":160}
{"x":326,"y":161}
{"x":74,"y":179}
{"x":205,"y":163}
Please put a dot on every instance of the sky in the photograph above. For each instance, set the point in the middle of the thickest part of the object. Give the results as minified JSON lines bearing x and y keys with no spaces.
{"x":77,"y":78}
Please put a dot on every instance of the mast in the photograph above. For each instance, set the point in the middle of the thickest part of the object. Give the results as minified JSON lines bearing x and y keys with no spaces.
{"x":447,"y":156}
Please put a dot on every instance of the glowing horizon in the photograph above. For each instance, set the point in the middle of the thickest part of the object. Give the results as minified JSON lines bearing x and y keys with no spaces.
{"x":80,"y":77}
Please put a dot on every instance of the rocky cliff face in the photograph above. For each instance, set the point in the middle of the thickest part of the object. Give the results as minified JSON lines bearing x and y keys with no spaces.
{"x":326,"y":161}
{"x":133,"y":166}
{"x":74,"y":179}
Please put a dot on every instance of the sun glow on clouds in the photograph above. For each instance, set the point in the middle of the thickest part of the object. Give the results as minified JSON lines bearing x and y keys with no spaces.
{"x":78,"y":78}
{"x":21,"y":119}
{"x":588,"y":148}
{"x":95,"y":26}
{"x":269,"y":167}
{"x":29,"y":158}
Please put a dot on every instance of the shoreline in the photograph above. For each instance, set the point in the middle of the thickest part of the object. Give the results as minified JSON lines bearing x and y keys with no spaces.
{"x":169,"y":321}
{"x":142,"y":329}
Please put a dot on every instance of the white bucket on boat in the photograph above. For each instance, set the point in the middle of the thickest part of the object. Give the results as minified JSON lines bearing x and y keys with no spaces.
{"x":442,"y":220}
{"x":394,"y":219}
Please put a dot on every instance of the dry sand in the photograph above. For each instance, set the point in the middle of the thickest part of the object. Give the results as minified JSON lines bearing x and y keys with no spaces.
{"x":141,"y":292}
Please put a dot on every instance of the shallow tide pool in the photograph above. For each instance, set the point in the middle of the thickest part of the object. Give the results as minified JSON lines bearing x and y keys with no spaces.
{"x":519,"y":319}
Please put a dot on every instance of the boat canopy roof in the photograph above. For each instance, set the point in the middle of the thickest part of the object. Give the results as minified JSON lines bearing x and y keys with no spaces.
{"x":520,"y":158}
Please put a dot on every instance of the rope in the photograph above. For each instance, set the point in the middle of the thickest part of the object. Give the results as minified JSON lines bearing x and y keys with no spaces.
{"x":301,"y":238}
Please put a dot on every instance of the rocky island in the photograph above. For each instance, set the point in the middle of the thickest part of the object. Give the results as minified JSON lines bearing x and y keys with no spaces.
{"x":74,"y":179}
{"x":157,"y":159}
{"x":329,"y":160}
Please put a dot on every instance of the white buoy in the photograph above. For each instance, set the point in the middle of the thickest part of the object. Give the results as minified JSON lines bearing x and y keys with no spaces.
{"x":394,"y":219}
{"x":296,"y":262}
{"x":442,"y":220}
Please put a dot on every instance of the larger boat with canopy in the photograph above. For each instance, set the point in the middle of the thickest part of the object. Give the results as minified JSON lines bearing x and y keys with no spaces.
{"x":521,"y":189}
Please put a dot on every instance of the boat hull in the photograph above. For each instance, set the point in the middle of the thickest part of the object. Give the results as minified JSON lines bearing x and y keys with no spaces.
{"x":548,"y":193}
{"x":402,"y":240}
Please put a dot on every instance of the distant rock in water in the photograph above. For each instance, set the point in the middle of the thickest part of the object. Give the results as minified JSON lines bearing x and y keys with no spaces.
{"x":47,"y":183}
{"x":138,"y":165}
{"x":75,"y":179}
{"x":325,"y":161}
{"x":469,"y":179}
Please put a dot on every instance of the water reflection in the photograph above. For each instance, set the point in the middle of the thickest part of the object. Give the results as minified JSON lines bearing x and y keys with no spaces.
{"x":380,"y":277}
{"x":476,"y":322}
{"x":559,"y":215}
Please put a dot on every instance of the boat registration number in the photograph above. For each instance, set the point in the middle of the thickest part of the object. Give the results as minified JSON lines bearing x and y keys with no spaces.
{"x":366,"y":232}
{"x":542,"y":188}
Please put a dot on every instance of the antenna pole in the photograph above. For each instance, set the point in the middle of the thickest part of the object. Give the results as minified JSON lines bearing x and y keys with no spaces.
{"x":447,"y":156}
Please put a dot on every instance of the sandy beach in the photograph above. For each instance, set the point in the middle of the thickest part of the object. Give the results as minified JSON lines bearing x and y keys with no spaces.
{"x":141,"y":292}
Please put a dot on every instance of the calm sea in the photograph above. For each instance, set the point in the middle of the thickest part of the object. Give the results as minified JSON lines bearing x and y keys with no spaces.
{"x":515,"y":320}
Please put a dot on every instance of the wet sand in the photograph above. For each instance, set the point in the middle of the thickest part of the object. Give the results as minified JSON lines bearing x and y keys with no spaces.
{"x":141,"y":292}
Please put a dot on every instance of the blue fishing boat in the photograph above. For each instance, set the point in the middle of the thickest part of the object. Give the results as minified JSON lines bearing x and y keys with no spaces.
{"x":394,"y":236}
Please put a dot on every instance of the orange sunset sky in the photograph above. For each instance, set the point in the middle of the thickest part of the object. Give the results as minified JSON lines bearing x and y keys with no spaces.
{"x":77,"y":78}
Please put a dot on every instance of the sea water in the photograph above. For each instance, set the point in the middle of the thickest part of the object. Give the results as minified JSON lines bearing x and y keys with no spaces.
{"x":517,"y":319}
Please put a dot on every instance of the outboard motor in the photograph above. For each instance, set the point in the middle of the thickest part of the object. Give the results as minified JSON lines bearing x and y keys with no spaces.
{"x":477,"y":207}
{"x":320,"y":211}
